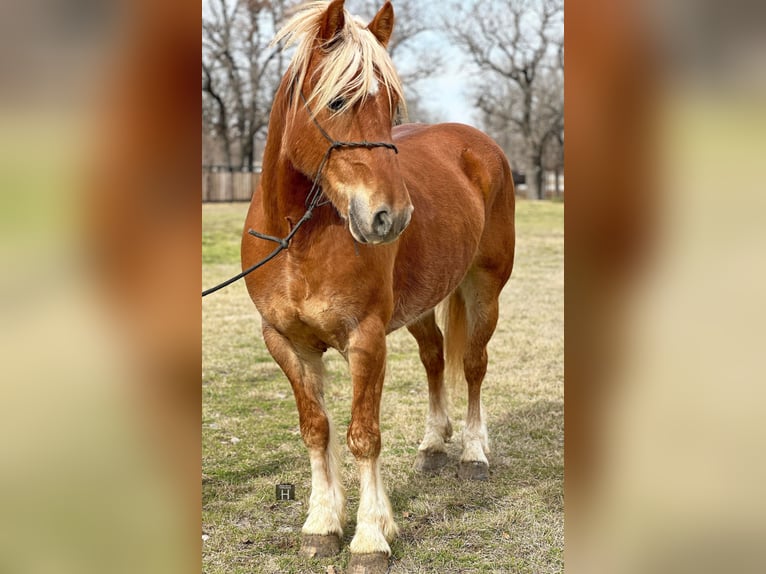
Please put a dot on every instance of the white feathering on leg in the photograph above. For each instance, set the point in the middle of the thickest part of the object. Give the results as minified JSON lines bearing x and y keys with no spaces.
{"x":475,"y":440}
{"x":327,"y":504}
{"x":375,"y":524}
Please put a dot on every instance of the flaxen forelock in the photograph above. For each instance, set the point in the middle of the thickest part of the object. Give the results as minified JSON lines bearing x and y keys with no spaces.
{"x":356,"y":62}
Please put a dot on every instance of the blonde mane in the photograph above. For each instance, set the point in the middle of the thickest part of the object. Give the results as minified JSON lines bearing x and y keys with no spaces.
{"x":354,"y":65}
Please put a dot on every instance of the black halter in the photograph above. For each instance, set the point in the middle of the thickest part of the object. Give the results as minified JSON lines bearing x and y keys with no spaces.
{"x":312,"y":198}
{"x":335,"y":144}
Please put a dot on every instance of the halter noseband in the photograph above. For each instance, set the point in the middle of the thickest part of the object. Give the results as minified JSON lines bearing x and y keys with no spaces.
{"x":312,"y":199}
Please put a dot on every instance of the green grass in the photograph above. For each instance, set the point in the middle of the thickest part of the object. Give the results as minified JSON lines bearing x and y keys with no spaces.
{"x":221,"y":232}
{"x":512,"y":523}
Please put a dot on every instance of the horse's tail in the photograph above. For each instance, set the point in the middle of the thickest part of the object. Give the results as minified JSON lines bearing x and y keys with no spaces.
{"x":453,"y":315}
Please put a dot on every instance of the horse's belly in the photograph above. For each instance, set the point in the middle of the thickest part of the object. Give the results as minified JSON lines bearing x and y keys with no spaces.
{"x":409,"y":307}
{"x":437,"y":248}
{"x":417,"y":293}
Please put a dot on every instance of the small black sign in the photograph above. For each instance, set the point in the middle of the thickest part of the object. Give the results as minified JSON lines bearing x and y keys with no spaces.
{"x":285,"y":491}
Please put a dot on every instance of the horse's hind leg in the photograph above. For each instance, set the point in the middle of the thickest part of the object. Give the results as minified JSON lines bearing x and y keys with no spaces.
{"x":432,"y":453}
{"x":480,"y":291}
{"x":323,"y":528}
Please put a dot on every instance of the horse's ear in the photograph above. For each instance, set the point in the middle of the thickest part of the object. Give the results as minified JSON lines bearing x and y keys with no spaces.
{"x":333,"y":21}
{"x":383,"y":23}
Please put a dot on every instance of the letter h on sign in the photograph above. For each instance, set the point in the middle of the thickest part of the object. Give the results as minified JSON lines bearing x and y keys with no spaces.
{"x":285,"y":492}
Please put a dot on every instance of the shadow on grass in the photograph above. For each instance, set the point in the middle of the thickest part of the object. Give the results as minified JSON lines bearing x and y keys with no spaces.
{"x":278,"y":463}
{"x":230,"y":484}
{"x":526,"y":457}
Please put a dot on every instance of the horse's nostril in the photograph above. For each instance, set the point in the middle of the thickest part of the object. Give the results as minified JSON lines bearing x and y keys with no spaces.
{"x":381,"y":222}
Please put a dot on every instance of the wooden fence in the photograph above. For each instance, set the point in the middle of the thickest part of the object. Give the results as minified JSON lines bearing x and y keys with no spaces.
{"x":221,"y":183}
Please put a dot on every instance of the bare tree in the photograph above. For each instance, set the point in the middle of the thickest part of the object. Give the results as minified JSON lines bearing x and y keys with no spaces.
{"x":517,"y":46}
{"x":240,"y":73}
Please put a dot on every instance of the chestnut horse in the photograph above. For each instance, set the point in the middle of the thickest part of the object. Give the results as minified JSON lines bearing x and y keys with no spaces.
{"x":423,"y":216}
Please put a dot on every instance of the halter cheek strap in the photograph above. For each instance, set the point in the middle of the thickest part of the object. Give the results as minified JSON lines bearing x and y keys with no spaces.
{"x":334,"y":144}
{"x":312,"y":199}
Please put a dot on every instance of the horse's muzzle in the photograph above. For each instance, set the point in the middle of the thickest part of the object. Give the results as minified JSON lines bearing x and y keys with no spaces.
{"x":382,"y":225}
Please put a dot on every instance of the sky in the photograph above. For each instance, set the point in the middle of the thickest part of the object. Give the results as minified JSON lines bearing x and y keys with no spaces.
{"x":446,"y":94}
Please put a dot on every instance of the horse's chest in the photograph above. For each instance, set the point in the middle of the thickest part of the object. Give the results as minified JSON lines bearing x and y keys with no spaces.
{"x":302,"y":307}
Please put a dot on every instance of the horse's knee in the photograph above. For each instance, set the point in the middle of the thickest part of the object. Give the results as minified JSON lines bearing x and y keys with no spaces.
{"x":363,"y":441}
{"x":315,"y":430}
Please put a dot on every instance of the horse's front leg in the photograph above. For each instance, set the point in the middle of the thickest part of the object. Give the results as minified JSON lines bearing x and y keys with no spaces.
{"x":323,"y":528}
{"x":375,"y":525}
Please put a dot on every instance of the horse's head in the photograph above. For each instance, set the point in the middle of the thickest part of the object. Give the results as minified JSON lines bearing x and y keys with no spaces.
{"x":342,"y":87}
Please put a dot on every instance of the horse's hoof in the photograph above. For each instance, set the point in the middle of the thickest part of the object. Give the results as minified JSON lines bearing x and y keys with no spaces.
{"x":374,"y":563}
{"x":319,"y":545}
{"x":473,"y":470}
{"x":430,"y":460}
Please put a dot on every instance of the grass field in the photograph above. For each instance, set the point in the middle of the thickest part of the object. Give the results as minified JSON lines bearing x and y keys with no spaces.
{"x":511,"y":523}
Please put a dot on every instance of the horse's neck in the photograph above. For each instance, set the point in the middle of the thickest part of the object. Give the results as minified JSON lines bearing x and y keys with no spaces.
{"x":284,"y":189}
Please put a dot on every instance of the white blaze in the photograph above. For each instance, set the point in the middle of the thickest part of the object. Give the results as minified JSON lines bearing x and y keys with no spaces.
{"x":374,"y":86}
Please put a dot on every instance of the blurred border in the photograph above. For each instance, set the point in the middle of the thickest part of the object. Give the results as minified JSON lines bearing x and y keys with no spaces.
{"x":664,"y":308}
{"x":100,"y":199}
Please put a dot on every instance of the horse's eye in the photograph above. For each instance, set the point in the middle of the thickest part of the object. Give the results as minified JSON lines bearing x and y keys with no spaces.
{"x":336,"y":104}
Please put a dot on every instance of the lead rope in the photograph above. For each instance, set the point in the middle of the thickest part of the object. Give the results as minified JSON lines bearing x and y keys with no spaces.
{"x":312,"y":200}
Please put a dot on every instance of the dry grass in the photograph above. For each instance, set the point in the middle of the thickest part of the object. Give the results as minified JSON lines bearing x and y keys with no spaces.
{"x":511,"y":523}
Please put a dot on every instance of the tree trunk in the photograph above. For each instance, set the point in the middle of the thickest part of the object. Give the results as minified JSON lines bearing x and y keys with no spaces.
{"x":226,"y":146}
{"x":535,"y":183}
{"x":248,"y":154}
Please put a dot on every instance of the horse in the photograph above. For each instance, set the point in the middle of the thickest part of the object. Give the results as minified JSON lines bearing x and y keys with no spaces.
{"x":402,"y":219}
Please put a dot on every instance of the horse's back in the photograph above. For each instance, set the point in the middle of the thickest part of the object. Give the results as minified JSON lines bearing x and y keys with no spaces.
{"x":450,"y":145}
